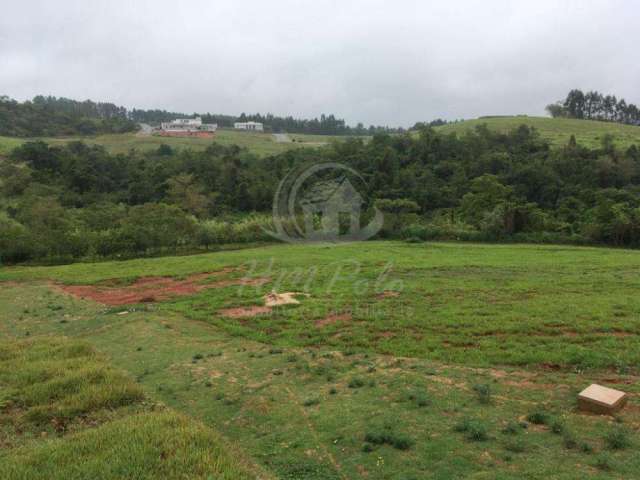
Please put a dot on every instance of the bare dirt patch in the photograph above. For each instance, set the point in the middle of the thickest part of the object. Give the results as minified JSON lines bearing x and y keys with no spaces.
{"x":243,"y":312}
{"x":274,"y":299}
{"x":335,"y":318}
{"x":153,"y":289}
{"x":388,"y":294}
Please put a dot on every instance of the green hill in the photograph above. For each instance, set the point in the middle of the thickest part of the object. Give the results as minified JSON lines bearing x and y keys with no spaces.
{"x":258,"y":143}
{"x":557,"y":130}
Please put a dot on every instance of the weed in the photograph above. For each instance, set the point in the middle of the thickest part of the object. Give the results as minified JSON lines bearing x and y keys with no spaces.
{"x":538,"y":417}
{"x":569,"y":440}
{"x":356,"y":382}
{"x":604,"y":462}
{"x":483,"y":391}
{"x":333,"y":391}
{"x":310,"y":402}
{"x":617,"y":439}
{"x":516,"y":446}
{"x":367,"y":447}
{"x":275,"y":351}
{"x":586,"y":447}
{"x":198,"y":356}
{"x":473,"y":430}
{"x":419,"y":398}
{"x":387,"y":435}
{"x":513,"y":428}
{"x":558,"y":427}
{"x":292,"y":358}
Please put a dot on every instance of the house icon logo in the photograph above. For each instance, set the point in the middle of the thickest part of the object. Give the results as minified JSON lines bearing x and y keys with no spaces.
{"x":323,"y":203}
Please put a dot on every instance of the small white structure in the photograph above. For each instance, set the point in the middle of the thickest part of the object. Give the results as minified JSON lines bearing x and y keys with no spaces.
{"x":253,"y":126}
{"x":187,"y":126}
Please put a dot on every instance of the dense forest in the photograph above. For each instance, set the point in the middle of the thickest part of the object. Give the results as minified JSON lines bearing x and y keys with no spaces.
{"x":594,"y":105}
{"x":78,"y":201}
{"x":51,"y":116}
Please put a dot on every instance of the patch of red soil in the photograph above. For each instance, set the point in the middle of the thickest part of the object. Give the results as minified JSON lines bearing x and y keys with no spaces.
{"x":242,"y":312}
{"x":153,"y":289}
{"x":342,"y":317}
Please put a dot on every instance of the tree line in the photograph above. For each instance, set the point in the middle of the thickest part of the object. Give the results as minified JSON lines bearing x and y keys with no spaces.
{"x":594,"y":105}
{"x":61,"y":203}
{"x":52,"y":116}
{"x":45,"y":116}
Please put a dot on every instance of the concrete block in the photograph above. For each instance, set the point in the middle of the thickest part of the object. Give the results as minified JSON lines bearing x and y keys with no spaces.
{"x":603,"y":400}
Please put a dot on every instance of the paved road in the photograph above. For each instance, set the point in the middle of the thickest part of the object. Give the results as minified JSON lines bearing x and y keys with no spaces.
{"x":282,"y":137}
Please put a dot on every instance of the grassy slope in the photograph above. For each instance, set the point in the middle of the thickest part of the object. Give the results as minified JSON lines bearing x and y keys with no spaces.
{"x":259,"y":143}
{"x":305,"y":412}
{"x":556,"y":130}
{"x":66,"y":414}
{"x":474,"y":304}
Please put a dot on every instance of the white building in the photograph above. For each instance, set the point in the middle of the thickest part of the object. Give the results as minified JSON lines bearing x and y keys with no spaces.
{"x":253,"y":126}
{"x":187,"y":125}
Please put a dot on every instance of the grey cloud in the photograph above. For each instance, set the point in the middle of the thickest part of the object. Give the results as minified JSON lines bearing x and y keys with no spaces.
{"x":379,"y":62}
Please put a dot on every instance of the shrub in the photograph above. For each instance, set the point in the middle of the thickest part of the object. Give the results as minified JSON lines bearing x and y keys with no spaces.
{"x":387,"y":435}
{"x":473,"y":430}
{"x":558,"y":427}
{"x":356,"y":382}
{"x":512,"y":428}
{"x":617,"y":439}
{"x":538,"y":417}
{"x":483,"y":391}
{"x":367,"y":447}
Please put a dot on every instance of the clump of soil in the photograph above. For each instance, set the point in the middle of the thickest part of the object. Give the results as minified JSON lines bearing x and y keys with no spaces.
{"x":153,"y":289}
{"x":242,"y":312}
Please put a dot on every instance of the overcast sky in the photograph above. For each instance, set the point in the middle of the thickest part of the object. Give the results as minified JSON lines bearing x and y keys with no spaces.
{"x":381,"y":62}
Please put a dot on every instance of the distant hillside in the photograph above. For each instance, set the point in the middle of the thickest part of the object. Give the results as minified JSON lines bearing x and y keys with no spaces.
{"x":588,"y":133}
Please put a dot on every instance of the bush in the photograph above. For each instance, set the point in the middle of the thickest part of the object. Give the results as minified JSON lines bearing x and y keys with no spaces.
{"x":538,"y":417}
{"x":356,"y":382}
{"x":617,"y":439}
{"x":483,"y":391}
{"x":387,"y":435}
{"x":513,"y":428}
{"x":558,"y":427}
{"x":473,"y":430}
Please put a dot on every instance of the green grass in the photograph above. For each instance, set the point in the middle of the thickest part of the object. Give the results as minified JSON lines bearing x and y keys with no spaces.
{"x":574,"y":307}
{"x":66,"y":414}
{"x":588,"y":133}
{"x":470,"y":319}
{"x":8,"y":143}
{"x":259,"y":143}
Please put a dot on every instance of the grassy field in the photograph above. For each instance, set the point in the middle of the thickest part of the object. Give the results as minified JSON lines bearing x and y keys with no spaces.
{"x":404,"y":361}
{"x":66,"y":414}
{"x":259,"y":143}
{"x":557,"y":130}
